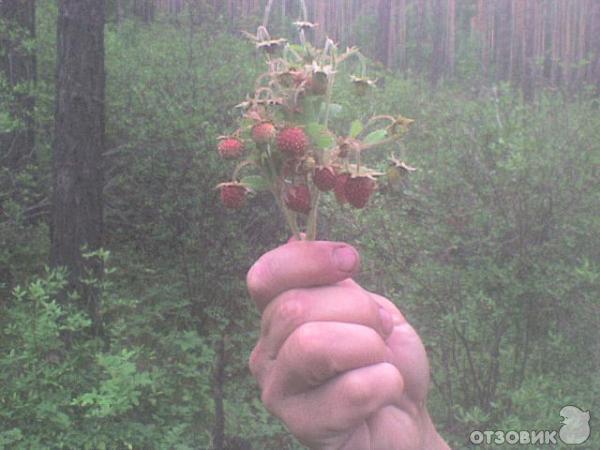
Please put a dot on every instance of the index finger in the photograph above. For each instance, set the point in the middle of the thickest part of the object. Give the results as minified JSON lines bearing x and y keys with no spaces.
{"x":300,"y":264}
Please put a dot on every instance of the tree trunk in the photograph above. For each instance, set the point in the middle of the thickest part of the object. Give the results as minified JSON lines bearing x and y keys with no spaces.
{"x":79,"y":143}
{"x":437,"y":56}
{"x":527,"y":68}
{"x":503,"y":39}
{"x":150,"y":11}
{"x":383,"y":38}
{"x":420,"y":35}
{"x":119,"y":12}
{"x":451,"y":36}
{"x":526,"y":42}
{"x":144,"y":9}
{"x":595,"y":47}
{"x":18,"y":66}
{"x":402,"y":35}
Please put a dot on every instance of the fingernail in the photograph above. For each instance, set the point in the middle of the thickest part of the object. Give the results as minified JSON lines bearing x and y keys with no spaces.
{"x":387,"y":324}
{"x":345,"y":258}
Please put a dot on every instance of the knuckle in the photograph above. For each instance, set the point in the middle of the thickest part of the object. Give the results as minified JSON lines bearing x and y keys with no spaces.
{"x":308,"y":339}
{"x":391,"y":380}
{"x":358,"y":390}
{"x":361,"y":300}
{"x":390,"y":372}
{"x":287,"y":311}
{"x":310,"y":347}
{"x":291,"y":309}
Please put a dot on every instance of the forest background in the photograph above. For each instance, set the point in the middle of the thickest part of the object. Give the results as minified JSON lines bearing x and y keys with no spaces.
{"x":490,"y":248}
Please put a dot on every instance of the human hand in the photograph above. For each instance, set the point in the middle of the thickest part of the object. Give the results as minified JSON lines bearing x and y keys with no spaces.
{"x":340,"y":366}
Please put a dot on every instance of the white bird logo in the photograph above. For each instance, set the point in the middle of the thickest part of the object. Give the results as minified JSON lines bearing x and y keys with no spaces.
{"x":576,"y":427}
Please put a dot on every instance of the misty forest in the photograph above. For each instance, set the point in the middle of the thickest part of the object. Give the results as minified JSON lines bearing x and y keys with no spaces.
{"x":152,"y":150}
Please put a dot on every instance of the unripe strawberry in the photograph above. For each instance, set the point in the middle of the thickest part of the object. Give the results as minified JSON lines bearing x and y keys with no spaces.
{"x":233,"y":195}
{"x":324,"y":178}
{"x":230,"y":148}
{"x":358,"y":190}
{"x":263,"y":133}
{"x":292,"y":142}
{"x":340,"y":187}
{"x":297,"y":198}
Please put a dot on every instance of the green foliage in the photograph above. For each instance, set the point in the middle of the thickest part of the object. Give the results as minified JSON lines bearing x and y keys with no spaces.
{"x":61,"y":388}
{"x":488,"y":250}
{"x":319,"y":135}
{"x":148,"y":384}
{"x":24,"y":189}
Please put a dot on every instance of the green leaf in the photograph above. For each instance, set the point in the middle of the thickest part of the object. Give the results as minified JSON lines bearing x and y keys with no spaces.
{"x":320,"y":135}
{"x":256,"y":183}
{"x":356,"y":128}
{"x":375,"y":137}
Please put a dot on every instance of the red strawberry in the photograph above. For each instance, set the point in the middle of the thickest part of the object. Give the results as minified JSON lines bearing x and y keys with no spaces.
{"x":358,"y":190}
{"x":263,"y":133}
{"x":231,"y":148}
{"x":297,"y":198}
{"x":233,"y":195}
{"x":340,"y":187}
{"x":292,"y":142}
{"x":324,"y":178}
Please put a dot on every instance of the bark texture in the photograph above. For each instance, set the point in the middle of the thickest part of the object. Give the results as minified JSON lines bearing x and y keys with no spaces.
{"x":77,"y":205}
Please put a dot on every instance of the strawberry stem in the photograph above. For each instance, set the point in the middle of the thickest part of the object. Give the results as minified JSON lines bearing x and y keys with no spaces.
{"x":292,"y":222}
{"x":311,"y":226}
{"x":289,"y":216}
{"x":331,"y":80}
{"x":276,"y":191}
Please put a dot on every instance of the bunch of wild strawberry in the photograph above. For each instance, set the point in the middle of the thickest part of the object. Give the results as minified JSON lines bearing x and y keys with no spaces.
{"x":285,"y":136}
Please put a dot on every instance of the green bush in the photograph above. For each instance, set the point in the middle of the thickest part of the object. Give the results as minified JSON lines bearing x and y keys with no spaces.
{"x":488,"y":249}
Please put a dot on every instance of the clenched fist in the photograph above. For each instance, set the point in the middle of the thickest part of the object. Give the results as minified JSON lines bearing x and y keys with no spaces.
{"x":339,"y":365}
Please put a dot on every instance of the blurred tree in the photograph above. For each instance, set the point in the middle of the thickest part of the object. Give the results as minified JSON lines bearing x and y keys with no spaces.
{"x":144,"y":9}
{"x":79,"y":142}
{"x":437,"y":60}
{"x":17,"y":65}
{"x":511,"y":40}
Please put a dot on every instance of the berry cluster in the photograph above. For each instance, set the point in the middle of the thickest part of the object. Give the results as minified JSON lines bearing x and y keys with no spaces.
{"x":286,"y":138}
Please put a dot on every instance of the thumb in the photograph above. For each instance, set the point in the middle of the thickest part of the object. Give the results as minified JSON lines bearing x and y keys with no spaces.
{"x":300,"y":264}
